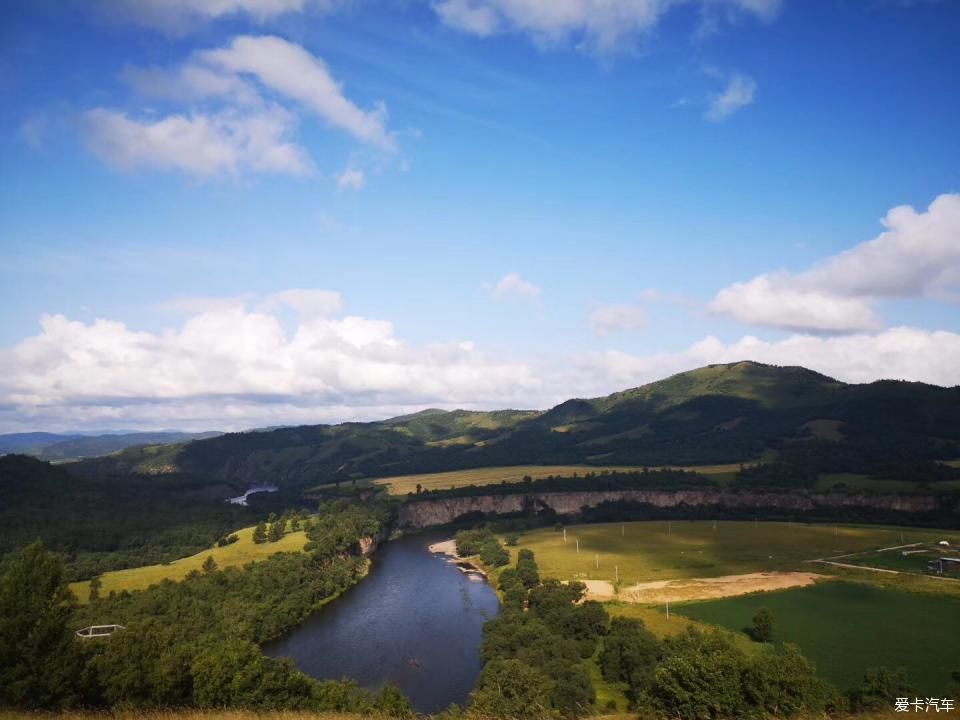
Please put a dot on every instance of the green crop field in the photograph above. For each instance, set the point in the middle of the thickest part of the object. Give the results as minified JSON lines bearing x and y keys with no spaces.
{"x":403,"y":484}
{"x":846,"y":628}
{"x":239,"y":553}
{"x":856,"y":481}
{"x":658,"y":550}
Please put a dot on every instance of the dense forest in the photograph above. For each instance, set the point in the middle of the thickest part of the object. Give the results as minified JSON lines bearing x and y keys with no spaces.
{"x":742,"y":412}
{"x":191,"y":643}
{"x":537,"y":656}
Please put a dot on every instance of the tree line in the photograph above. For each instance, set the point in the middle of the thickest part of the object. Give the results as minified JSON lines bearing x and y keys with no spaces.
{"x":193,"y":643}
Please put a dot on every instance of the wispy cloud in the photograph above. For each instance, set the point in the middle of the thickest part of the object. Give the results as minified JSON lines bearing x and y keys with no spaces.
{"x":351,"y":179}
{"x":738,"y":94}
{"x":512,"y":285}
{"x":597,"y":26}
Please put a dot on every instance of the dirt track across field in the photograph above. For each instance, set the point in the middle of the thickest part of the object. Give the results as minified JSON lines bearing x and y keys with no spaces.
{"x":661,"y":591}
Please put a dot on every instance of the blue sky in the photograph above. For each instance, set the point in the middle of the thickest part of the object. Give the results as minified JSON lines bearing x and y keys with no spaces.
{"x":260,"y":211}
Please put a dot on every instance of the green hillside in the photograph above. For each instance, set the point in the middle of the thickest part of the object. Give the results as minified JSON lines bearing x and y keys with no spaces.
{"x":717,"y":414}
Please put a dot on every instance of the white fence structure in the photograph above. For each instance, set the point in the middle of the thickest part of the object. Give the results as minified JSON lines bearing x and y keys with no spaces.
{"x":98,"y":631}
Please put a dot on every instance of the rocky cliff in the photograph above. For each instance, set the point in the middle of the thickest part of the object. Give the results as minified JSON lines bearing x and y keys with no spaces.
{"x":418,"y":514}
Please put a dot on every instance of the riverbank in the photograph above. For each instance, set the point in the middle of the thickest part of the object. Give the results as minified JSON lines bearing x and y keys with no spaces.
{"x":467,"y":567}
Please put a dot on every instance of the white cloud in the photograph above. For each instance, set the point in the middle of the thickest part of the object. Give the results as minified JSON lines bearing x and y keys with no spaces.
{"x":901,"y":353}
{"x":769,"y":300}
{"x":233,"y":365}
{"x":597,"y":24}
{"x":918,"y":255}
{"x":309,"y":302}
{"x":290,"y":70}
{"x":182,"y":16}
{"x":352,"y":179}
{"x":237,"y":129}
{"x":611,"y":318}
{"x":198,"y":144}
{"x":512,"y":285}
{"x":738,"y":94}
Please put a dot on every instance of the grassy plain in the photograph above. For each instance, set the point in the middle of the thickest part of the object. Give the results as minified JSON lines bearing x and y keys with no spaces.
{"x":403,"y":484}
{"x":661,"y":550}
{"x":846,"y":628}
{"x":239,"y":553}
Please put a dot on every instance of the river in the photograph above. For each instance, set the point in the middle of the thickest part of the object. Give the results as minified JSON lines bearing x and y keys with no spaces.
{"x":415,"y":621}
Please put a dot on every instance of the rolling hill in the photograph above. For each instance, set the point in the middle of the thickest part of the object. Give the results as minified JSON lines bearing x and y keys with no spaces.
{"x":716,"y":414}
{"x":72,"y":446}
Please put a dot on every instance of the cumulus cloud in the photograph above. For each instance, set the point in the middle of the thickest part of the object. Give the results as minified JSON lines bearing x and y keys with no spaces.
{"x":597,"y":24}
{"x":901,"y":353}
{"x":198,"y":144}
{"x":612,"y":318}
{"x":772,"y":300}
{"x":233,"y":365}
{"x":351,"y":179}
{"x":917,"y":255}
{"x":738,"y":94}
{"x":512,"y":285}
{"x":238,"y":363}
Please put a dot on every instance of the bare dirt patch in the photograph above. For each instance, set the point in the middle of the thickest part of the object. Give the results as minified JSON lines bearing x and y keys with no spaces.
{"x":661,"y":591}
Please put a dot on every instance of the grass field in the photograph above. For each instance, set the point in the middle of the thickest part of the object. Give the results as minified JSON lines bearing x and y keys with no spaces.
{"x":846,"y":628}
{"x":658,"y":550}
{"x":403,"y":484}
{"x":239,"y":553}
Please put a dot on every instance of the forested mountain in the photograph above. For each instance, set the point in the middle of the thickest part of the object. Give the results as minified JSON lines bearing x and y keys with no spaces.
{"x":71,"y":446}
{"x":717,"y":414}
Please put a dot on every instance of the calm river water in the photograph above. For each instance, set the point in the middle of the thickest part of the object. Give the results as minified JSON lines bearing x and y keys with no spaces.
{"x":415,"y":621}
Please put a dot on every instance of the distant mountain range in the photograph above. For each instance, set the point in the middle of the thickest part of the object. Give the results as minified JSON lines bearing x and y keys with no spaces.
{"x":739,"y":412}
{"x":72,"y":446}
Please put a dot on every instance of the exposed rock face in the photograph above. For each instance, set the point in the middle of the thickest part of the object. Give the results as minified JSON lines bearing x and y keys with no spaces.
{"x":424,"y":513}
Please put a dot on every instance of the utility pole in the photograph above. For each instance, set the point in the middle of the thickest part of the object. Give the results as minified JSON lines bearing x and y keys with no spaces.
{"x":616,"y":571}
{"x":564,"y":535}
{"x":578,"y":544}
{"x":621,"y":531}
{"x":596,"y":559}
{"x":668,"y":609}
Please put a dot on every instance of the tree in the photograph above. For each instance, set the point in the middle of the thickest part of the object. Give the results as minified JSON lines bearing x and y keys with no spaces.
{"x":419,"y":488}
{"x":95,"y":585}
{"x":879,"y":688}
{"x":276,"y":532}
{"x":762,"y":630}
{"x":209,"y":565}
{"x":260,"y":533}
{"x":40,"y":664}
{"x":493,"y":554}
{"x":511,"y":689}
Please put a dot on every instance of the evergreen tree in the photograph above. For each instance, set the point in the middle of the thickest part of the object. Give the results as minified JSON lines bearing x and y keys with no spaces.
{"x":276,"y":532}
{"x":209,"y":565}
{"x":762,"y":630}
{"x":95,"y":586}
{"x":39,"y":660}
{"x":260,"y":533}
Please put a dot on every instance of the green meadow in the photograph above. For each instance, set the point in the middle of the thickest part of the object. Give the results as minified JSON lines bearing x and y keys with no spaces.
{"x":661,"y":550}
{"x":237,"y":554}
{"x":848,"y":627}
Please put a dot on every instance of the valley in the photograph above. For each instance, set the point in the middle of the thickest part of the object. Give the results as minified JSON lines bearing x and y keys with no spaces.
{"x":761,"y":503}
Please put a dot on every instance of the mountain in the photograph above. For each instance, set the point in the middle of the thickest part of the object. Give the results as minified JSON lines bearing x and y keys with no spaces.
{"x":54,"y":447}
{"x":736,"y":412}
{"x":32,"y":442}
